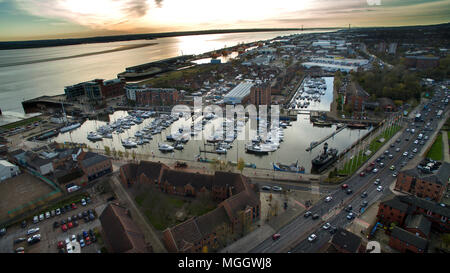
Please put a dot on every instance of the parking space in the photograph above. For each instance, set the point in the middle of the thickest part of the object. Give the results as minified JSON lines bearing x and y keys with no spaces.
{"x":51,"y":235}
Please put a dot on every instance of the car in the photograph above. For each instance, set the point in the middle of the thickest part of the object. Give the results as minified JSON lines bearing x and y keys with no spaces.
{"x":315,"y":216}
{"x":47,"y":215}
{"x":73,"y":238}
{"x":395,"y":174}
{"x":375,"y":170}
{"x":24,"y":224}
{"x":70,"y":225}
{"x":82,"y":243}
{"x":391,"y":156}
{"x":85,"y":213}
{"x":277,"y":188}
{"x":19,"y":240}
{"x":392,"y":145}
{"x":63,"y":210}
{"x":398,"y":140}
{"x":392,"y":168}
{"x":344,"y":186}
{"x":41,"y":217}
{"x":20,"y":250}
{"x":88,"y":200}
{"x":415,"y":150}
{"x":422,"y":142}
{"x":416,"y":141}
{"x":35,"y":238}
{"x":91,"y":232}
{"x":32,"y":230}
{"x":56,"y":224}
{"x":67,"y":241}
{"x":381,"y":165}
{"x":326,"y":226}
{"x":350,"y":216}
{"x":52,"y":212}
{"x":83,"y":202}
{"x":362,"y":174}
{"x":63,"y":222}
{"x":349,"y":191}
{"x":397,"y":150}
{"x":266,"y":188}
{"x":307,"y":214}
{"x":85,"y":234}
{"x":75,"y":223}
{"x":333,"y":230}
{"x":74,"y":217}
{"x":79,"y":237}
{"x":328,"y":199}
{"x":86,"y":219}
{"x":312,"y":237}
{"x":69,"y":219}
{"x":348,"y":208}
{"x":403,"y":163}
{"x":364,"y":194}
{"x":386,"y":152}
{"x":67,"y":207}
{"x":60,"y":244}
{"x":64,"y":228}
{"x":88,"y":240}
{"x":74,"y":206}
{"x":379,"y":188}
{"x":80,"y":215}
{"x":382,"y":157}
{"x":364,"y":203}
{"x":276,"y":236}
{"x":406,"y":139}
{"x":91,"y":216}
{"x":410,"y":156}
{"x":58,"y":211}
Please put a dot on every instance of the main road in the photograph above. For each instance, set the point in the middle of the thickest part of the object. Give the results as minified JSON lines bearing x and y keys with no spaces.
{"x":294,"y":235}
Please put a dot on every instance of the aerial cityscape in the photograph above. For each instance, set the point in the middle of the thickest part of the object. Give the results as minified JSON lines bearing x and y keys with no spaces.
{"x":156,"y":127}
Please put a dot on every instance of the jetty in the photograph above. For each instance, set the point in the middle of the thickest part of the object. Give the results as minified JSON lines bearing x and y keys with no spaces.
{"x":317,"y":143}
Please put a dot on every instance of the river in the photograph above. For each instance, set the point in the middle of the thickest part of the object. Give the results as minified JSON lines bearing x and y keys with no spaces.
{"x":27,"y":81}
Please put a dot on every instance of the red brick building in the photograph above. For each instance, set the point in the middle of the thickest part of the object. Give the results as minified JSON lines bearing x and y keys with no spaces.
{"x":392,"y":211}
{"x":405,"y":241}
{"x":157,"y":96}
{"x":112,"y":88}
{"x":421,"y":62}
{"x":239,"y":203}
{"x":260,"y":94}
{"x":120,"y":233}
{"x":432,"y":186}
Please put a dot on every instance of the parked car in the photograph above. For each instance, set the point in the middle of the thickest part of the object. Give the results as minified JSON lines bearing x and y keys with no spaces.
{"x":32,"y":230}
{"x":41,"y":217}
{"x":35,"y":219}
{"x":266,"y":188}
{"x":277,"y":188}
{"x":20,"y":250}
{"x":88,"y":200}
{"x":326,"y":226}
{"x":362,"y":174}
{"x":377,"y":181}
{"x":82,"y":243}
{"x":60,"y":244}
{"x":75,"y":223}
{"x":74,"y":206}
{"x":344,"y":186}
{"x":80,"y":215}
{"x":333,"y":230}
{"x":63,"y":210}
{"x":19,"y":240}
{"x":64,"y":227}
{"x":375,"y":170}
{"x":23,"y":224}
{"x":70,"y":225}
{"x":47,"y":215}
{"x":312,"y":237}
{"x":83,"y":202}
{"x":58,"y":211}
{"x":53,"y":212}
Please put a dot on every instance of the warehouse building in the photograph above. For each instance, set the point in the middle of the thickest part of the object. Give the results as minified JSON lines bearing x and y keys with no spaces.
{"x":238,"y":94}
{"x":8,"y":170}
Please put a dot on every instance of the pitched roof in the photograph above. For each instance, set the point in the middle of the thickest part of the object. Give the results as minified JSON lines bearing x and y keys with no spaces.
{"x":408,"y":237}
{"x":239,"y":202}
{"x":395,"y":203}
{"x":208,"y":222}
{"x":186,"y":234}
{"x":181,"y":178}
{"x":346,"y":240}
{"x":151,"y":170}
{"x":122,"y":233}
{"x":91,"y":159}
{"x":419,"y":222}
{"x":426,"y":204}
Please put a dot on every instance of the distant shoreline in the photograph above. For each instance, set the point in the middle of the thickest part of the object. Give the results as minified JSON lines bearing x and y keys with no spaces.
{"x":131,"y":37}
{"x":120,"y":48}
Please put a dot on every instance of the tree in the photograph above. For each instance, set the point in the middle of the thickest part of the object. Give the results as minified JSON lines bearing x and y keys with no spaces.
{"x":127,"y":154}
{"x":114,"y":152}
{"x":107,"y":150}
{"x":241,"y":164}
{"x":133,"y":155}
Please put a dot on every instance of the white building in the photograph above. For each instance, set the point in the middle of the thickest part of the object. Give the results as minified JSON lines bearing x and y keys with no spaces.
{"x":131,"y":89}
{"x":237,"y":94}
{"x":330,"y":67}
{"x":7,"y":170}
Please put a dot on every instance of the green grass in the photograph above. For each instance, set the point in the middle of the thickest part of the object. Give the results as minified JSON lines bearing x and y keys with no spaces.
{"x":20,"y":123}
{"x":436,"y":151}
{"x":354,"y":164}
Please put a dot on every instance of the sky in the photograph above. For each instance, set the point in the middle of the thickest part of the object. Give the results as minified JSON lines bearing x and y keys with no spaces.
{"x":50,"y":19}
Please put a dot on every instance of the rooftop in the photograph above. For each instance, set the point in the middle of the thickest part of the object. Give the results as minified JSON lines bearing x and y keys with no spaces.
{"x":408,"y":237}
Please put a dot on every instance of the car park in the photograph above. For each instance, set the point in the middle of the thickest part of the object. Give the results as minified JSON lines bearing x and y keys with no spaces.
{"x":312,"y":237}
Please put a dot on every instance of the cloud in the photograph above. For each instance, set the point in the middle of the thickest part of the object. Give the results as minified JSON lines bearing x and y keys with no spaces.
{"x":103,"y":14}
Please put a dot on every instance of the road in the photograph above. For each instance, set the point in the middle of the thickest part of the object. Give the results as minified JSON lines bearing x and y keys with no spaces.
{"x":294,"y":235}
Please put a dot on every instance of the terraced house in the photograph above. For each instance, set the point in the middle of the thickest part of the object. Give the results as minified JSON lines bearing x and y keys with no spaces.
{"x":239,"y":204}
